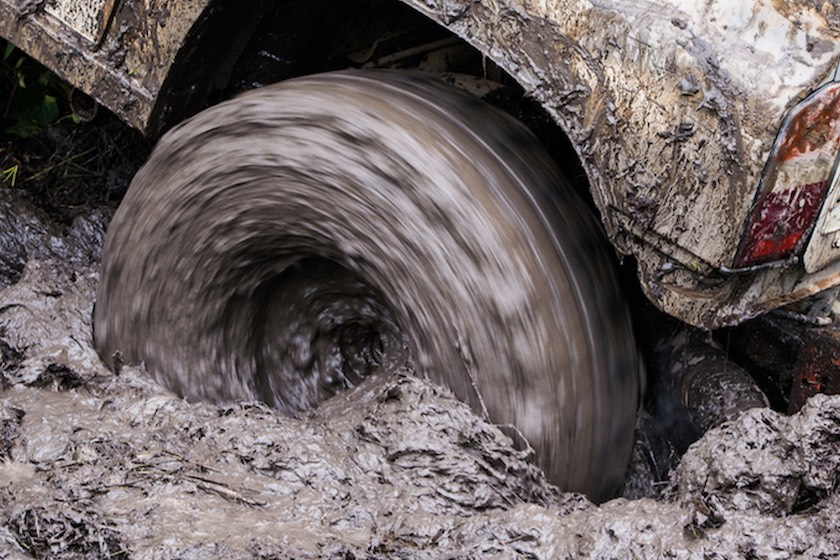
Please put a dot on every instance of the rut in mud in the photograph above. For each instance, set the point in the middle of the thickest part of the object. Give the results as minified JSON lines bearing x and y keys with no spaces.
{"x":98,"y":465}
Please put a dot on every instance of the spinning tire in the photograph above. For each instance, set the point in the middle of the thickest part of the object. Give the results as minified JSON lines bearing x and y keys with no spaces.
{"x":384,"y":218}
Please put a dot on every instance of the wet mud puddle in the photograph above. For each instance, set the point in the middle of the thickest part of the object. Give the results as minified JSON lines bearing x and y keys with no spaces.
{"x":97,"y":465}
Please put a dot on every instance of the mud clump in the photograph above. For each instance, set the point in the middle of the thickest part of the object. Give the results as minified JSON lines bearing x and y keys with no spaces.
{"x":10,"y":419}
{"x":10,"y":360}
{"x":13,"y":254}
{"x":766,"y":462}
{"x":59,"y":377}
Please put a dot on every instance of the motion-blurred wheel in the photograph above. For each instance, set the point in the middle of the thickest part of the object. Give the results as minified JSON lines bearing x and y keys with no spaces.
{"x":286,"y":244}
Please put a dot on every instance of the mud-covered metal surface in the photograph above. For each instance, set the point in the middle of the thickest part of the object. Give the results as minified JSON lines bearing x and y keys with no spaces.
{"x":101,"y":465}
{"x":694,"y":385}
{"x":792,"y":359}
{"x":673,"y":108}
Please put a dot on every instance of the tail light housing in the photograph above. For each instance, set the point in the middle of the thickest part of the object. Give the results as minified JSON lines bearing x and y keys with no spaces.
{"x":802,"y":166}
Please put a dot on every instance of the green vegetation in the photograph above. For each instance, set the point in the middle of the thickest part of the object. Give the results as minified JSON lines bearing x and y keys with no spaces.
{"x":10,"y":175}
{"x":60,"y":161}
{"x":33,"y":96}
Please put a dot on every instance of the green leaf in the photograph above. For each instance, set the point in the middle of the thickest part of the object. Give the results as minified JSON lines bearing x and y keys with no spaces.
{"x":10,"y":48}
{"x":22,"y":129}
{"x":49,"y":110}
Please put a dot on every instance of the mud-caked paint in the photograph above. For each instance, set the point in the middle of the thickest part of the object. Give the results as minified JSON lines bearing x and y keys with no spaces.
{"x":672,"y":107}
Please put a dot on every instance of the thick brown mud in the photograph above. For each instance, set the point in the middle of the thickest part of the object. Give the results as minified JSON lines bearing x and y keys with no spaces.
{"x":101,"y":465}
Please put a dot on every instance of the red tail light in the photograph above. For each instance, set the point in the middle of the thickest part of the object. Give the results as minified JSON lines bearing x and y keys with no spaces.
{"x":795,"y":181}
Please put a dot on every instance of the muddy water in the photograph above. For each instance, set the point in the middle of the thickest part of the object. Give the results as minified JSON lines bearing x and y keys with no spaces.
{"x":99,"y":465}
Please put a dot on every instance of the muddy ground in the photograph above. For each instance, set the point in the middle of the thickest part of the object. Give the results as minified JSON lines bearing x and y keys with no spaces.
{"x":101,"y":465}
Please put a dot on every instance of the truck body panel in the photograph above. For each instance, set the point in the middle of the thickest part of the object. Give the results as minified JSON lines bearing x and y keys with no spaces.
{"x":121,"y":56}
{"x":675,"y":110}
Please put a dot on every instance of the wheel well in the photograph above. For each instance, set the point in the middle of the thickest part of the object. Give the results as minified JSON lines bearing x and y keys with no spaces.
{"x":293,"y":38}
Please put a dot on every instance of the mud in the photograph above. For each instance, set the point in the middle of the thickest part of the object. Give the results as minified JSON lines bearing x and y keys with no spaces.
{"x":98,"y":465}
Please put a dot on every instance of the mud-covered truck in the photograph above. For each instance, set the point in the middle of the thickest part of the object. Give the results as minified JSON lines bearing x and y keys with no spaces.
{"x":348,"y":187}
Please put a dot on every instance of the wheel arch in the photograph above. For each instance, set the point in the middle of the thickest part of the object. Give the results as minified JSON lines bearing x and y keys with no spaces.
{"x":552,"y":68}
{"x":670,"y":109}
{"x":155,"y":63}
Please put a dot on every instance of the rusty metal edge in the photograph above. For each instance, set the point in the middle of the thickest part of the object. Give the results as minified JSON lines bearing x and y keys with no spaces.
{"x":70,"y":57}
